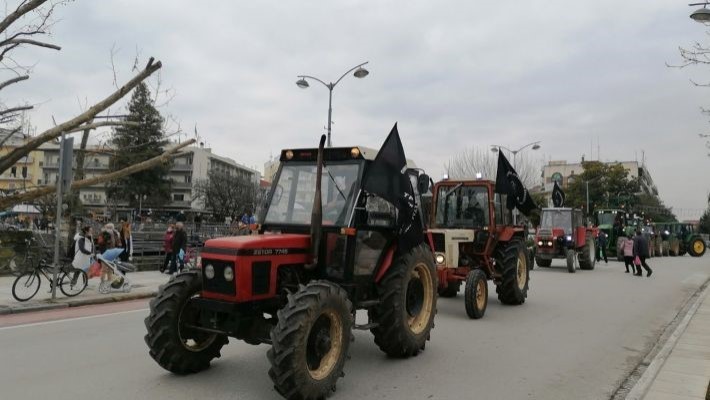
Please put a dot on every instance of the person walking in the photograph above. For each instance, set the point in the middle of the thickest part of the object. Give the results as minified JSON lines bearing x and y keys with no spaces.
{"x":83,"y":249}
{"x":603,"y":240}
{"x":126,"y":242}
{"x":168,"y":246}
{"x":628,"y":249}
{"x":641,"y":251}
{"x":179,"y":243}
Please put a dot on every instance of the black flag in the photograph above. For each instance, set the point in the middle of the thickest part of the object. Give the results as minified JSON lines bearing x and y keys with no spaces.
{"x":508,"y":182}
{"x":387,"y":178}
{"x":558,"y":196}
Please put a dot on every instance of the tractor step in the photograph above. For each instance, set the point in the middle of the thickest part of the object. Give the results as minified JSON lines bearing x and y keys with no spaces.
{"x":366,"y":327}
{"x":367,"y":304}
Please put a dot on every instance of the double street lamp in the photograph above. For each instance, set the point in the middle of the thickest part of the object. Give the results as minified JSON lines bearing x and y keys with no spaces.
{"x":701,"y":14}
{"x":360,"y":72}
{"x":496,"y":148}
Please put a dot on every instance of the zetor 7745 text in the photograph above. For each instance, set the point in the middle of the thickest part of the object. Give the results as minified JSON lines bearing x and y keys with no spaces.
{"x":297,"y":284}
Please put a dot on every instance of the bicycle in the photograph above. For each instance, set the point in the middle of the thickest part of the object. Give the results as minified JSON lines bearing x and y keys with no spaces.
{"x":71,"y":281}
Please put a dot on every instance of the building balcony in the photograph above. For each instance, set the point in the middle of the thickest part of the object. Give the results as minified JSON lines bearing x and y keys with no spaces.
{"x":180,"y":204}
{"x":181,"y":167}
{"x":181,"y":185}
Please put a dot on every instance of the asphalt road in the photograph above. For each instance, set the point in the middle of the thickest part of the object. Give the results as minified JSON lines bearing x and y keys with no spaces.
{"x":577,"y":337}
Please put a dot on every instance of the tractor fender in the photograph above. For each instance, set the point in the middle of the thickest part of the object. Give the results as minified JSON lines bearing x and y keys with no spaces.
{"x":386,"y":263}
{"x":581,"y":237}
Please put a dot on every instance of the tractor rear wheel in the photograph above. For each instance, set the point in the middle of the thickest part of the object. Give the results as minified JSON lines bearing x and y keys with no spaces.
{"x":405,"y":314}
{"x":665,"y":246}
{"x":512,"y":265}
{"x":587,"y":259}
{"x":674,"y":249}
{"x":571,"y":268}
{"x":697,"y":247}
{"x":173,"y":344}
{"x":543,"y":262}
{"x":451,"y":289}
{"x":476,"y":294}
{"x":310,"y":342}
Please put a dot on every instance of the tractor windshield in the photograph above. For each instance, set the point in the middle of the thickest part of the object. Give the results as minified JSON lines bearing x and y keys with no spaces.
{"x":606,"y":219}
{"x":294,"y":191}
{"x":557,"y":219}
{"x":462,"y":207}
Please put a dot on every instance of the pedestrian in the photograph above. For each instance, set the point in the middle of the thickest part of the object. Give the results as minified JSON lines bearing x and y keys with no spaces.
{"x":168,"y":246}
{"x":603,"y":240}
{"x":181,"y":217}
{"x":179,"y":243}
{"x":628,"y":249}
{"x":641,"y":252}
{"x":126,"y":242}
{"x":83,"y":249}
{"x":198,"y":222}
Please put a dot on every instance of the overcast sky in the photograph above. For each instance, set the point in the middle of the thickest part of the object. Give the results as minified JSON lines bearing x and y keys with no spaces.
{"x":454,"y":74}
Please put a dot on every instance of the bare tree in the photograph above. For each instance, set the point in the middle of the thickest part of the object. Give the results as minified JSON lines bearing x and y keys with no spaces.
{"x":227,"y":195}
{"x":474,"y":160}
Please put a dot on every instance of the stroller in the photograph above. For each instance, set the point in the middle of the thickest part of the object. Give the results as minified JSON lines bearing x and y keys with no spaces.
{"x":113,"y":272}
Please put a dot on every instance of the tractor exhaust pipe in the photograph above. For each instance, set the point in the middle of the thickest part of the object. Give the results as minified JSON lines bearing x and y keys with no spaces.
{"x":317,"y":212}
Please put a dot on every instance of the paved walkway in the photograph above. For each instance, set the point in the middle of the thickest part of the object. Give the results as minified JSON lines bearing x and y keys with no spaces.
{"x":145,"y":284}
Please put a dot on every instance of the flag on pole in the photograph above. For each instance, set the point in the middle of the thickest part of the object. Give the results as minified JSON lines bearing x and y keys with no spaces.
{"x":508,"y":182}
{"x":558,"y":196}
{"x":387,"y":178}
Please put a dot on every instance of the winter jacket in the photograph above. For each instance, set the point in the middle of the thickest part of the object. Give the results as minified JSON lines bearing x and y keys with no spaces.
{"x":602,"y":239}
{"x":168,"y":241}
{"x":83,"y":250}
{"x":179,"y":241}
{"x":628,"y":247}
{"x":640,"y":246}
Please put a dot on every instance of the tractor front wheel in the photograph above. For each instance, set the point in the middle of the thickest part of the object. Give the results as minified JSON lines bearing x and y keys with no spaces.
{"x":570,"y":261}
{"x":310,"y":342}
{"x":476,"y":294}
{"x":697,"y":247}
{"x":173,"y":344}
{"x":405,"y":315}
{"x":512,"y":265}
{"x":587,"y":259}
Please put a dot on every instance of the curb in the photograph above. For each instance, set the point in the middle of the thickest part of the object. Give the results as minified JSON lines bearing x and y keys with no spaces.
{"x":77,"y":303}
{"x":641,"y":387}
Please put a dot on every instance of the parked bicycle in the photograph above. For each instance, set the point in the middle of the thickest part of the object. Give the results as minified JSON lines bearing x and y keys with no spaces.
{"x":71,"y":281}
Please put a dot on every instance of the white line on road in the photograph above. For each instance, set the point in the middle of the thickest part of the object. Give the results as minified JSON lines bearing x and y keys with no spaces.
{"x":71,"y":319}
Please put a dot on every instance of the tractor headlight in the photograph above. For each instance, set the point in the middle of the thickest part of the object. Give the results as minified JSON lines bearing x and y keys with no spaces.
{"x":539,"y":243}
{"x":440,"y":258}
{"x":209,"y":271}
{"x":568,"y":238}
{"x":228,"y":274}
{"x":549,"y":243}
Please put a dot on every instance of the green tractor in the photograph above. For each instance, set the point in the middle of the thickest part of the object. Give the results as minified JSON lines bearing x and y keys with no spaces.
{"x":613,"y":222}
{"x":678,"y":238}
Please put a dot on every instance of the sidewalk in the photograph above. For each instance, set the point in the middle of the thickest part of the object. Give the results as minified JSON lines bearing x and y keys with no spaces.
{"x":683,"y":373}
{"x":145,"y":284}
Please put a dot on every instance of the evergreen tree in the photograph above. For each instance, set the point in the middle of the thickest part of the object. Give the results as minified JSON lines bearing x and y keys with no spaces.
{"x":134,"y":144}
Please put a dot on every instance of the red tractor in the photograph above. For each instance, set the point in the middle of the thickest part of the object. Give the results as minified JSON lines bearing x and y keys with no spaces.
{"x":297,"y":284}
{"x":562,"y":234}
{"x":474,"y":242}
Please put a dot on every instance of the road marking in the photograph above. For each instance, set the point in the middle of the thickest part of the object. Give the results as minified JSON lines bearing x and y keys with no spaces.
{"x":72,"y":319}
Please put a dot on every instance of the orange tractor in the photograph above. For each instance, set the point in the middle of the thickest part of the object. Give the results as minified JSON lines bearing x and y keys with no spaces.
{"x":562,"y":234}
{"x":474,"y":241}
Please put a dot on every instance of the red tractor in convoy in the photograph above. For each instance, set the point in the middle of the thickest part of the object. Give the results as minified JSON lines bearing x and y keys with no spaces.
{"x":298,"y":282}
{"x":562,"y":234}
{"x":474,"y":242}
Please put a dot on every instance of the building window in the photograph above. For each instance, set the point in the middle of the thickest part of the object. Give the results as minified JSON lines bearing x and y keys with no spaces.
{"x":556,"y":177}
{"x":24,"y":172}
{"x":13,"y":172}
{"x":178,"y":197}
{"x":188,"y":179}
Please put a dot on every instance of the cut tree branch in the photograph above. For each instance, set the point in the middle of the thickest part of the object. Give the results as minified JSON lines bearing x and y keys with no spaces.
{"x":13,"y":80}
{"x":95,"y":125}
{"x":15,"y":155}
{"x":15,"y":109}
{"x":37,"y":193}
{"x":29,"y":41}
{"x":19,"y":12}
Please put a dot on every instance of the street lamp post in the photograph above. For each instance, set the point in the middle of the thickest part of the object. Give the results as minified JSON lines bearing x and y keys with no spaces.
{"x":140,"y":204}
{"x":496,"y":148}
{"x":360,"y":72}
{"x":701,"y":15}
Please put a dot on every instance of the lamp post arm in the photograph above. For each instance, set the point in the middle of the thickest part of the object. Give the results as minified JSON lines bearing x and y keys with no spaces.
{"x":349,"y":71}
{"x":315,"y":79}
{"x":502,"y":147}
{"x":529,"y":144}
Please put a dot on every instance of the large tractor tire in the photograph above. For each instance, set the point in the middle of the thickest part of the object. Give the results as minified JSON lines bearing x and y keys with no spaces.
{"x":543,"y":262}
{"x":173,"y":345}
{"x":657,"y":245}
{"x":512,"y":265}
{"x":697,"y":247}
{"x":476,"y":294}
{"x":451,"y":289}
{"x":665,"y":248}
{"x":405,"y":315}
{"x":310,"y":342}
{"x":674,"y":249}
{"x":587,"y":258}
{"x":570,"y":254}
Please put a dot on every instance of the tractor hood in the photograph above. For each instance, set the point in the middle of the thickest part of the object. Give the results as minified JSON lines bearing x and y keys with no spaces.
{"x":259,"y":245}
{"x":545,"y":233}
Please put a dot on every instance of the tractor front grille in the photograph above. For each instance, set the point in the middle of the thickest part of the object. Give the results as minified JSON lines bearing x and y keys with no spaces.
{"x":439,"y":242}
{"x":218,"y":284}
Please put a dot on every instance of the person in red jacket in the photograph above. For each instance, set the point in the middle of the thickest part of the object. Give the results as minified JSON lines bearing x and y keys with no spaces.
{"x":168,"y":246}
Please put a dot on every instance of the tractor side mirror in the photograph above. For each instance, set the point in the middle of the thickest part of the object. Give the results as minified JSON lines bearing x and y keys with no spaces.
{"x":423,"y":183}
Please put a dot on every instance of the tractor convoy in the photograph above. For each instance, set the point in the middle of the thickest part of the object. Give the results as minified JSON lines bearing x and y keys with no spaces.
{"x":343,"y":230}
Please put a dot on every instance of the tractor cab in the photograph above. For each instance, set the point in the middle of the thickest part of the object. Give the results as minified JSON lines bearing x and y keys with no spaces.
{"x":562,"y":234}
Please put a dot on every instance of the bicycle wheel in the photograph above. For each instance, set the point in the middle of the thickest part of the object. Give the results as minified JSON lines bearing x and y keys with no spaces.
{"x":26,"y":286}
{"x":73,"y":282}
